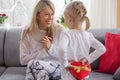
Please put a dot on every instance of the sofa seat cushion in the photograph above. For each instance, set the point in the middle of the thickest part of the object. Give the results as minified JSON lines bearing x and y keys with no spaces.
{"x":100,"y":76}
{"x":2,"y":69}
{"x":14,"y":73}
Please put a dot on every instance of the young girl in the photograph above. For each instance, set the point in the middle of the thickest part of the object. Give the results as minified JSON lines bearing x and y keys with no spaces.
{"x":76,"y":42}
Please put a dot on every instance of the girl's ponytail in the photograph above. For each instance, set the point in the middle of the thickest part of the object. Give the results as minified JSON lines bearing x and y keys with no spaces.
{"x":87,"y":22}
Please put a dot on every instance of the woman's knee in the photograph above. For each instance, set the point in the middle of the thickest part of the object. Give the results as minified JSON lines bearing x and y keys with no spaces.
{"x":43,"y":75}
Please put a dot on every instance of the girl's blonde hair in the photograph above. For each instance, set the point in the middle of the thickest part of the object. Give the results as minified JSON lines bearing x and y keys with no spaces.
{"x":75,"y":10}
{"x":30,"y":29}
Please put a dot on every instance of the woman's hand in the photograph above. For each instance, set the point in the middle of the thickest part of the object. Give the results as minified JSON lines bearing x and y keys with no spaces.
{"x":83,"y":61}
{"x":46,"y":42}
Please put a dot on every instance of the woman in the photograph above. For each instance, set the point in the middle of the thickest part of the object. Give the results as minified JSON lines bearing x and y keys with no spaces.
{"x":39,"y":43}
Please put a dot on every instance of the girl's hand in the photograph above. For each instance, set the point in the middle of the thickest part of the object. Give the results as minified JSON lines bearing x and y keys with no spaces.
{"x":83,"y":61}
{"x":68,"y":67}
{"x":46,"y":42}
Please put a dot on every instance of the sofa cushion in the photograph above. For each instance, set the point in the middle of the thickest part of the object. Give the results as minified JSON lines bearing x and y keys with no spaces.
{"x":100,"y":76}
{"x":2,"y":69}
{"x":100,"y":35}
{"x":2,"y":38}
{"x":14,"y":73}
{"x":110,"y":61}
{"x":11,"y":48}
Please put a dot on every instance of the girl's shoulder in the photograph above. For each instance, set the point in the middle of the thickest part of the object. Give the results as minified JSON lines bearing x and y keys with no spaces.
{"x":89,"y":34}
{"x":61,"y":27}
{"x":84,"y":33}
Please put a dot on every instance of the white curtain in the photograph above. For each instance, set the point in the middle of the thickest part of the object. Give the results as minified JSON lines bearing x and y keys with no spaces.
{"x":103,"y":13}
{"x":6,"y":4}
{"x":59,"y":6}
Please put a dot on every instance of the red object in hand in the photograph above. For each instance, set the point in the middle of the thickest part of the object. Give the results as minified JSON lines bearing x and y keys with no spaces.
{"x":80,"y":71}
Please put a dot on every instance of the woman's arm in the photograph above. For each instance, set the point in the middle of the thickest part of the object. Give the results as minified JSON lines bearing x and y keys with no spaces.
{"x":25,"y":51}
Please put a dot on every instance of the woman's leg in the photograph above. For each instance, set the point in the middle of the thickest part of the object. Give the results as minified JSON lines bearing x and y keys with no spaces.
{"x":54,"y":72}
{"x":35,"y":71}
{"x":29,"y":72}
{"x":43,"y":70}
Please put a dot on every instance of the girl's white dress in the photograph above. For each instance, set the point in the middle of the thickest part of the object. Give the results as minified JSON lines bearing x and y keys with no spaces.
{"x":76,"y":44}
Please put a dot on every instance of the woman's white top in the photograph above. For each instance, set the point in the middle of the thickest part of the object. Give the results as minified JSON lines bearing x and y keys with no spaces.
{"x":76,"y":44}
{"x":31,"y":47}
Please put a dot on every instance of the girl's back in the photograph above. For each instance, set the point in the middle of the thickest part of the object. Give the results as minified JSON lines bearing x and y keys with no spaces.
{"x":79,"y":43}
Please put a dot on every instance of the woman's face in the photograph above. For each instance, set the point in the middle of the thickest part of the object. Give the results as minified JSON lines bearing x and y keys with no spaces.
{"x":45,"y":17}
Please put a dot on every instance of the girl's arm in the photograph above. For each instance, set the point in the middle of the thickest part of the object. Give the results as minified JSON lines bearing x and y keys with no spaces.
{"x":99,"y":49}
{"x":63,"y":50}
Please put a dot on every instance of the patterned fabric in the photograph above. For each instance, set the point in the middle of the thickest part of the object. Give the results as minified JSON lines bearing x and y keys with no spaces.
{"x":43,"y":70}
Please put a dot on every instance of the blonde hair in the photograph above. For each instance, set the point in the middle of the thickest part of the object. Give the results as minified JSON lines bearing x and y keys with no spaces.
{"x":30,"y":29}
{"x":75,"y":10}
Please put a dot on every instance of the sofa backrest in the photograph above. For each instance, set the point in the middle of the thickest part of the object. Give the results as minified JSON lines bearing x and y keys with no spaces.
{"x":10,"y":38}
{"x":100,"y":35}
{"x":11,"y":47}
{"x":2,"y":38}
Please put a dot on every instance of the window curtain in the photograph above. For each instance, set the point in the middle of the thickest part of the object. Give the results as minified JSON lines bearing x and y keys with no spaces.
{"x":103,"y":13}
{"x":59,"y":6}
{"x":6,"y":4}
